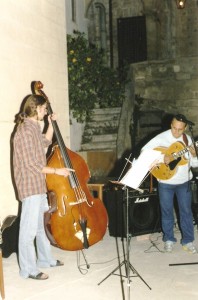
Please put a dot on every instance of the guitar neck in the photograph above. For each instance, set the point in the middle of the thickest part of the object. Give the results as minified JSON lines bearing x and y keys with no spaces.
{"x":183,"y":151}
{"x":180,"y":153}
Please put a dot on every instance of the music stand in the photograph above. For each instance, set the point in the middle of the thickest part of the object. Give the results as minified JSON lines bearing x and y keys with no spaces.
{"x":133,"y":178}
{"x":126,"y":261}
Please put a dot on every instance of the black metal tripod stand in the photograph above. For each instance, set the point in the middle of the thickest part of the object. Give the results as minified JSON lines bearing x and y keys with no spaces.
{"x":126,"y":262}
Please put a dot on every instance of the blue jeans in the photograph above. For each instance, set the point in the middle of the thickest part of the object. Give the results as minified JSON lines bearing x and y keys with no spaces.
{"x":31,"y":227}
{"x":184,"y":199}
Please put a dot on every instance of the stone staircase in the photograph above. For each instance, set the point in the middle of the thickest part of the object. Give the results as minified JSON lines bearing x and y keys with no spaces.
{"x":100,"y":134}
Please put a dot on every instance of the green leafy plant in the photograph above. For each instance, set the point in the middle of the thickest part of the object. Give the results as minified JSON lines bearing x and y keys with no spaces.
{"x":91,"y":83}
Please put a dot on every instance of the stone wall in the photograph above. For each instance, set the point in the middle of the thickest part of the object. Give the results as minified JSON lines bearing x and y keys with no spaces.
{"x":167,"y":81}
{"x":171,"y":32}
{"x":168,"y":87}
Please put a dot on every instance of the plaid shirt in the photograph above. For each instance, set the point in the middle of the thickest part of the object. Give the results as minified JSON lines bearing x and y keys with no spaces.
{"x":29,"y":159}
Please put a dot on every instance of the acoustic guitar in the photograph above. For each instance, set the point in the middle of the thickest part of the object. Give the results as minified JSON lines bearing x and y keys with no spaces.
{"x":176,"y":151}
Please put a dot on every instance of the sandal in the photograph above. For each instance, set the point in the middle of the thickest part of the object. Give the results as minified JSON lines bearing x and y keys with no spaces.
{"x":58,"y":264}
{"x":39,"y":276}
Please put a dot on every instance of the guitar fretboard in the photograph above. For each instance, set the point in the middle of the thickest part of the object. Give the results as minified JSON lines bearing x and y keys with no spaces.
{"x":182,"y":152}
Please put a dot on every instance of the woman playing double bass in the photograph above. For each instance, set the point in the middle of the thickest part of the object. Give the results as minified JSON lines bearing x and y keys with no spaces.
{"x":76,"y":220}
{"x":30,"y":169}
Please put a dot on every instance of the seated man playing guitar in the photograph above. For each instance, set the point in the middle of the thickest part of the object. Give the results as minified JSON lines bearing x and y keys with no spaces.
{"x":174,"y":175}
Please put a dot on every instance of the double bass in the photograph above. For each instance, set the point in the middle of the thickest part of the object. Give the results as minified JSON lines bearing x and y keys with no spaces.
{"x":75,"y":220}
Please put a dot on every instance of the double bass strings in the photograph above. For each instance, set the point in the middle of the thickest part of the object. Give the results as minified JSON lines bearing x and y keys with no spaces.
{"x":71,"y":170}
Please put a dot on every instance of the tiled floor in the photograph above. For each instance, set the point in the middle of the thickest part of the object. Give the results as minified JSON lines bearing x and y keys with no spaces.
{"x":156,"y":279}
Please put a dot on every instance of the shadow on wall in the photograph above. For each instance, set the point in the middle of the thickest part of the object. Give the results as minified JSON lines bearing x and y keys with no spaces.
{"x":165,"y":125}
{"x":121,"y":166}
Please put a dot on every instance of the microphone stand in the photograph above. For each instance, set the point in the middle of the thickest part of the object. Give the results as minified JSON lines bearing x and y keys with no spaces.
{"x":193,"y":140}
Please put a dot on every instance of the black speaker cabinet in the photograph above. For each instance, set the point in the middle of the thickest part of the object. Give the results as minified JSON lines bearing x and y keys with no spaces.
{"x":143,"y":212}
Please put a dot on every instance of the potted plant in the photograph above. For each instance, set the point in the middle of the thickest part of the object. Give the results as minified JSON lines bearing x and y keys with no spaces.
{"x":92,"y":84}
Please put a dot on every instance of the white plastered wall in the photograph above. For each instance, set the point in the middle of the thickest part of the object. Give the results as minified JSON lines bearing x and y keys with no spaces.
{"x":32,"y":47}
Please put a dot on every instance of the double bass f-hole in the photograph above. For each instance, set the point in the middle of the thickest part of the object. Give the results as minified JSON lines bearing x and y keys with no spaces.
{"x":79,"y":220}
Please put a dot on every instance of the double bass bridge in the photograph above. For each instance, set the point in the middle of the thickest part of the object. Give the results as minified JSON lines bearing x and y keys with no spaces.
{"x":79,"y":234}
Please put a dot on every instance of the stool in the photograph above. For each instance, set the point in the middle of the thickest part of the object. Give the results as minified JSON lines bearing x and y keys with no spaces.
{"x":1,"y":277}
{"x":97,"y":187}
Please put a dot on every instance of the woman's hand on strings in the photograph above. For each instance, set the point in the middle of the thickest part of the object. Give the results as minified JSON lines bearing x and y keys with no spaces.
{"x":63,"y":171}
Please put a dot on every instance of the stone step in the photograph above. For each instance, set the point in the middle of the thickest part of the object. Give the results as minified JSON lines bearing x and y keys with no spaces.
{"x":105,"y":117}
{"x":108,"y":145}
{"x":104,"y":138}
{"x":100,"y":138}
{"x":105,"y":114}
{"x":96,"y":130}
{"x":102,"y":124}
{"x":100,"y":132}
{"x":108,"y":111}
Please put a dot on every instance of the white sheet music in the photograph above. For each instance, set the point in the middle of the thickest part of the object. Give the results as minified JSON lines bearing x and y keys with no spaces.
{"x":140,"y":167}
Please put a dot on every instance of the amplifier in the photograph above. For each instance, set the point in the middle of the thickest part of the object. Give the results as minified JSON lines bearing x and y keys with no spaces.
{"x":143,"y":212}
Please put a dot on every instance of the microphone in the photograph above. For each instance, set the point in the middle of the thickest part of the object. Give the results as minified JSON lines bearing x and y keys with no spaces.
{"x":190,"y":123}
{"x":182,"y":118}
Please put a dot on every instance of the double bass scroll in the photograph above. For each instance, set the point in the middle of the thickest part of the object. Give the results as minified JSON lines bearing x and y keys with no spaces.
{"x":77,"y":220}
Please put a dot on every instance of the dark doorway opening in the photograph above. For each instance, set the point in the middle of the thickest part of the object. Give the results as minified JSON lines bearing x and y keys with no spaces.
{"x":132,"y":44}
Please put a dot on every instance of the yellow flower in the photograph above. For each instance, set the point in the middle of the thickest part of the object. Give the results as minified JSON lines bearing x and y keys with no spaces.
{"x":74,"y":60}
{"x":88,"y":59}
{"x":71,"y":51}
